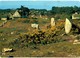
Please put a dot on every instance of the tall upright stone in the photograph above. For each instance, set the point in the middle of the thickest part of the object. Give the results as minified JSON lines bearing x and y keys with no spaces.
{"x":52,"y":22}
{"x":68,"y":26}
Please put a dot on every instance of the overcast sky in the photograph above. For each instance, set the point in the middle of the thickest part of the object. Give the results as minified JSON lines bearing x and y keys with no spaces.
{"x":37,"y":4}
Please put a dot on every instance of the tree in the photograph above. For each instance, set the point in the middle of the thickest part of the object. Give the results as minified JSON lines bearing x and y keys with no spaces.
{"x":24,"y":11}
{"x":60,"y":10}
{"x":75,"y":9}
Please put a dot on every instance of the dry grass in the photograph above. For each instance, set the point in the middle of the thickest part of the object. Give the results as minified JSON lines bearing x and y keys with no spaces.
{"x":19,"y":27}
{"x":62,"y":49}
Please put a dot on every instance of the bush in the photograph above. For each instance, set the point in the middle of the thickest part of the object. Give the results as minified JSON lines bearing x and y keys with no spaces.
{"x":41,"y":37}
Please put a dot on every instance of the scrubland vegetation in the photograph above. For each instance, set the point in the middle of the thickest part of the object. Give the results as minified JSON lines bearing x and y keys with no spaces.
{"x":26,"y":41}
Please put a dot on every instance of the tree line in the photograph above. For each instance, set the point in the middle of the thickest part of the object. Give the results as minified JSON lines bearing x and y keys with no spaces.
{"x":58,"y":12}
{"x":67,"y":10}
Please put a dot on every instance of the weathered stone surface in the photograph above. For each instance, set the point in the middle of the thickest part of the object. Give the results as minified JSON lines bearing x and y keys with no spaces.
{"x":12,"y":32}
{"x":75,"y":41}
{"x":52,"y":22}
{"x":7,"y":49}
{"x":35,"y":26}
{"x":68,"y":26}
{"x":16,"y":14}
{"x":3,"y":18}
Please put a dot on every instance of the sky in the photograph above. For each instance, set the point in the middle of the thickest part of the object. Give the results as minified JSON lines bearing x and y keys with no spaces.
{"x":37,"y":4}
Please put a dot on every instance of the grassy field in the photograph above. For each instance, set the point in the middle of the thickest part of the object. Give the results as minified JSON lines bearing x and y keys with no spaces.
{"x":13,"y":29}
{"x":61,"y":49}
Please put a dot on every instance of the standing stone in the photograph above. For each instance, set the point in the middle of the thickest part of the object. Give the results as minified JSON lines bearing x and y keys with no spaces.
{"x":52,"y":22}
{"x":68,"y":26}
{"x":16,"y":14}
